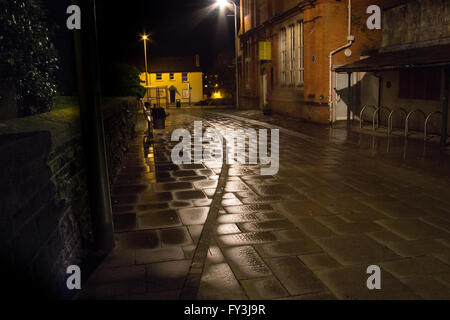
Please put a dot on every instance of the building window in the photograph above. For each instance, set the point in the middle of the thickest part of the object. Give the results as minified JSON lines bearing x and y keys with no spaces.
{"x":172,"y":76}
{"x":283,"y":54}
{"x":159,"y":76}
{"x":292,"y":49}
{"x":184,"y":77}
{"x":300,"y":76}
{"x":420,"y":84}
{"x":248,"y":60}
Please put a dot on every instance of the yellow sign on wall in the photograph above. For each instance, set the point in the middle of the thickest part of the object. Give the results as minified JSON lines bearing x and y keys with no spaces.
{"x":265,"y":50}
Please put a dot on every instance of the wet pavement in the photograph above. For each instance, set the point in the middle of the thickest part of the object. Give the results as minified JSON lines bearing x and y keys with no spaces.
{"x":218,"y":231}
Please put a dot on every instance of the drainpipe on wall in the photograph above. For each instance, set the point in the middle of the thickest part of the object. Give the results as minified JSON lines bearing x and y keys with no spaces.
{"x":350,"y":40}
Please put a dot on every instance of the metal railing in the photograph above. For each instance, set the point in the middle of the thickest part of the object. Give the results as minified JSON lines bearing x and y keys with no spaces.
{"x":409,"y":116}
{"x":376,"y":112}
{"x":361,"y":115}
{"x":390,"y":118}
{"x":427,"y":120}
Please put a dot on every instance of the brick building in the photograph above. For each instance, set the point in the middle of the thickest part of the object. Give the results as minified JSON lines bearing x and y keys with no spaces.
{"x":285,"y":48}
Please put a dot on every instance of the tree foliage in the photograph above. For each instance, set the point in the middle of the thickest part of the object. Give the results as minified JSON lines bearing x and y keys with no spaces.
{"x":121,"y":79}
{"x":27,"y":55}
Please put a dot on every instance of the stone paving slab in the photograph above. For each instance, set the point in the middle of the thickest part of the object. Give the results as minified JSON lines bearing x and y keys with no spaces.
{"x":288,"y":248}
{"x":248,"y":238}
{"x":314,"y":228}
{"x":219,"y":283}
{"x":264,"y":288}
{"x":246,"y":263}
{"x":356,"y":249}
{"x":418,"y":266}
{"x":413,"y":229}
{"x":175,"y":237}
{"x":319,"y":261}
{"x":349,"y":283}
{"x":148,"y":256}
{"x":415,"y":248}
{"x":295,"y":276}
{"x":167,"y":276}
{"x":427,"y":287}
{"x":213,"y":231}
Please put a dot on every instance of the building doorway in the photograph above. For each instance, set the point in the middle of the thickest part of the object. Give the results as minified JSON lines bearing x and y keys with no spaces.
{"x":172,"y":96}
{"x":263,"y":88}
{"x":340,"y":97}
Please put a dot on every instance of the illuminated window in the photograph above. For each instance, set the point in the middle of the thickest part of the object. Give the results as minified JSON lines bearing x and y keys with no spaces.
{"x":292,"y":61}
{"x":283,"y":54}
{"x":300,"y":73}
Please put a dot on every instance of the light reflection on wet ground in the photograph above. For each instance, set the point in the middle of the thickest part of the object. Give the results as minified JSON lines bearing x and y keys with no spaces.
{"x":396,"y":150}
{"x":308,"y":232}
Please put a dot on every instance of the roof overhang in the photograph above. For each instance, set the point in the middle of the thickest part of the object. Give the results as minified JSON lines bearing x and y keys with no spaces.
{"x":427,"y":57}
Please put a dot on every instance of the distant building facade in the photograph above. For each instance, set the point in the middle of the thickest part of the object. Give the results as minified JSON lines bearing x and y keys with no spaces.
{"x":177,"y":78}
{"x":285,"y":48}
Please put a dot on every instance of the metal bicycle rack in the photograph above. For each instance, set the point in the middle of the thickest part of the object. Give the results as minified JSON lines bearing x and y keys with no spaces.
{"x":426,"y":123}
{"x":409,"y":116}
{"x":377,"y":110}
{"x":391,"y":117}
{"x":361,"y":114}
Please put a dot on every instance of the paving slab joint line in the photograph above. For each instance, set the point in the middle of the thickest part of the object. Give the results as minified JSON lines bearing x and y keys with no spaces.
{"x":192,"y":283}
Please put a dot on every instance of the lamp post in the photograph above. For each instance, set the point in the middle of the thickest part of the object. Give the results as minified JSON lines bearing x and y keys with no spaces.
{"x":223,"y":4}
{"x":145,"y":38}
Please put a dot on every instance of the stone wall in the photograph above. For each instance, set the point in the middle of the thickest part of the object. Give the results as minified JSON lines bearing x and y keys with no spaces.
{"x":45,"y":222}
{"x":418,"y":23}
{"x":119,"y":122}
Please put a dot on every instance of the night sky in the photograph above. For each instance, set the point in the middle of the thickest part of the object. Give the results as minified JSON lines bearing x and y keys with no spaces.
{"x":177,"y":27}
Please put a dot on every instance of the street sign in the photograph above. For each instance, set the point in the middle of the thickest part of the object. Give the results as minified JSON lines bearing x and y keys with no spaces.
{"x":265,"y":50}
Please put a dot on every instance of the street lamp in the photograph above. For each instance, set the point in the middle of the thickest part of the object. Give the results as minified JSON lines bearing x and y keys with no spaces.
{"x":145,"y":38}
{"x":223,"y":4}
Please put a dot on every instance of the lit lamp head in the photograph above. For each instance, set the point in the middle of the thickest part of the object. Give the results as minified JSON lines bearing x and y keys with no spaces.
{"x":145,"y":37}
{"x":222,"y":3}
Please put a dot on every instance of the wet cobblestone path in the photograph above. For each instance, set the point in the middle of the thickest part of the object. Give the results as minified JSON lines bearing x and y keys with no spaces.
{"x":213,"y":231}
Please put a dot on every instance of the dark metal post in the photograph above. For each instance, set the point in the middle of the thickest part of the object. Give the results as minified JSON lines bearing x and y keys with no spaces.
{"x":350,"y":99}
{"x":445,"y":100}
{"x":89,"y":89}
{"x":236,"y":42}
{"x":380,"y":88}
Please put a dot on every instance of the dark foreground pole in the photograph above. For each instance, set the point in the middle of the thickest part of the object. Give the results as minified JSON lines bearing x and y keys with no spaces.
{"x":350,"y":99}
{"x":445,"y":100}
{"x":88,"y":72}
